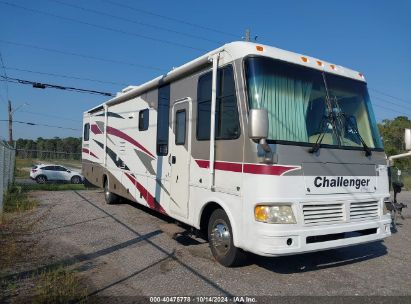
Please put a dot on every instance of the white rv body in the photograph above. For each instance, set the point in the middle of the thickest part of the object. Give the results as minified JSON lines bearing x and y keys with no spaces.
{"x":332,"y":193}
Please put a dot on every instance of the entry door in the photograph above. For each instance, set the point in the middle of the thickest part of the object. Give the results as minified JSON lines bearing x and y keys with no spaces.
{"x":179,"y":159}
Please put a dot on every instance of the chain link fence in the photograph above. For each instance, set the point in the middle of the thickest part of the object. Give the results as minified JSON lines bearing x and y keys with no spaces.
{"x":47,"y":155}
{"x":7,"y":162}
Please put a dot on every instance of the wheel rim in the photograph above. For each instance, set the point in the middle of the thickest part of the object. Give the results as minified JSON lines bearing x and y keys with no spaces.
{"x":220,"y":238}
{"x":41,"y":179}
{"x":75,"y":180}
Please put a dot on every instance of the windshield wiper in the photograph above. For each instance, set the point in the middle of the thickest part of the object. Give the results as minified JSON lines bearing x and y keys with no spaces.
{"x":324,"y":126}
{"x":355,"y":131}
{"x":329,"y":119}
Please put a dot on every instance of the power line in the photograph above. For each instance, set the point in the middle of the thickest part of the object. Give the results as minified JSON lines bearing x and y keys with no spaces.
{"x":390,"y":102}
{"x":392,"y":110}
{"x":102,"y":27}
{"x":82,"y":55}
{"x":389,"y":95}
{"x":41,"y":125}
{"x":65,"y":76}
{"x":170,"y":18}
{"x":135,"y":22}
{"x":40,"y":85}
{"x":49,"y":115}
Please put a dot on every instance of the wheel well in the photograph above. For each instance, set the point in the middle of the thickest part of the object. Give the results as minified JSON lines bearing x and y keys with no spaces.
{"x":205,"y":216}
{"x":42,"y":175}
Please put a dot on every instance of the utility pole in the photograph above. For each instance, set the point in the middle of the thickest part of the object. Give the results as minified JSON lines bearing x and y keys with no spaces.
{"x":10,"y":124}
{"x":247,"y":35}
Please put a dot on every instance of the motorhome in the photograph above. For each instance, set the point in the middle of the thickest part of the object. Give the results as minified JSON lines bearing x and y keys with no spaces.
{"x":264,"y":150}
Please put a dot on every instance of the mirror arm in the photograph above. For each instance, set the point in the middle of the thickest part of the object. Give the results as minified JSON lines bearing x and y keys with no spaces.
{"x":268,"y":158}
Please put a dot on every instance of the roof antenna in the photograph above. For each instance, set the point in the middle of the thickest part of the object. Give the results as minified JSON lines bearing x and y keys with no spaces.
{"x":247,"y":37}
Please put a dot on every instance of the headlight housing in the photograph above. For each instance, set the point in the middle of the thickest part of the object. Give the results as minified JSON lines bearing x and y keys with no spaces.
{"x":274,"y":214}
{"x":386,"y":200}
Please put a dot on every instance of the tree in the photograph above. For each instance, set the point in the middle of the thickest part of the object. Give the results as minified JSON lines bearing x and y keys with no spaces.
{"x":392,"y":133}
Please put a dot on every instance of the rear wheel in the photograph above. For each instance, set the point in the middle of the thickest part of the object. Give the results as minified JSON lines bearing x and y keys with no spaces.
{"x":76,"y":179}
{"x":110,"y":197}
{"x":220,"y":237}
{"x":41,"y":179}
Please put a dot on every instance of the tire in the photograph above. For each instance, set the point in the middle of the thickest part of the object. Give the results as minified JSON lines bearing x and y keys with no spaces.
{"x":41,"y":179}
{"x":110,"y":197}
{"x":76,"y":179}
{"x":220,"y":237}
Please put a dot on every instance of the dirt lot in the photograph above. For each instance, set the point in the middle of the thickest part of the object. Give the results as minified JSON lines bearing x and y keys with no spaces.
{"x":125,"y":250}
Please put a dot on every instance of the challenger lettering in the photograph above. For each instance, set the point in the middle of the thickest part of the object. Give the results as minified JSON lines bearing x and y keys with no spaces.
{"x":322,"y":181}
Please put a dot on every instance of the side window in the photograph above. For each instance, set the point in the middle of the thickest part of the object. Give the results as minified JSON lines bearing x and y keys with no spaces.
{"x":163,"y":120}
{"x":143,"y":116}
{"x":86,"y":134}
{"x":180,"y":127}
{"x":49,"y":168}
{"x":226,"y":116}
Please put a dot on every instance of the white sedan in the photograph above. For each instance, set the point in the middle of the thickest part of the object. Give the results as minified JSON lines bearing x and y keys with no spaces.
{"x":44,"y":173}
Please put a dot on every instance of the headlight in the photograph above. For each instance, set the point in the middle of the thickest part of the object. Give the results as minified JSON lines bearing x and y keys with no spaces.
{"x":282,"y":214}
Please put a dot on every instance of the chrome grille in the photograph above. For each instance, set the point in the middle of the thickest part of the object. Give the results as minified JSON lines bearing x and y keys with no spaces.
{"x":323,"y":213}
{"x":363,"y":210}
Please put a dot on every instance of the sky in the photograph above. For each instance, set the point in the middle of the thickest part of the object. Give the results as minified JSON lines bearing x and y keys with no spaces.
{"x":124,"y":42}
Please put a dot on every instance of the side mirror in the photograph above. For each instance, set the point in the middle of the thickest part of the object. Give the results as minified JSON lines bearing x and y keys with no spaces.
{"x":68,"y":171}
{"x":407,"y":139}
{"x":258,"y":124}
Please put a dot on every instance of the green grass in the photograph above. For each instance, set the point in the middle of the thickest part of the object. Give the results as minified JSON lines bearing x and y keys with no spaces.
{"x":407,"y":182}
{"x":58,"y":286}
{"x":29,"y":162}
{"x":54,"y":187}
{"x":17,"y":200}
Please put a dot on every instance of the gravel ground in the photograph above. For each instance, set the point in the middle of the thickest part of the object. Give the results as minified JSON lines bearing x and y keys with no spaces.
{"x":126,"y":250}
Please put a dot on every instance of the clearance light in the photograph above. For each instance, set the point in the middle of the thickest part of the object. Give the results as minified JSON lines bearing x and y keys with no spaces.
{"x":259,"y":48}
{"x":319,"y":63}
{"x":333,"y":67}
{"x":282,"y":214}
{"x":304,"y":59}
{"x":361,"y":75}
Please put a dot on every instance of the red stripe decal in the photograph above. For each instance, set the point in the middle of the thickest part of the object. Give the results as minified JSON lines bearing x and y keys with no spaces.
{"x":267,"y":169}
{"x":248,"y":168}
{"x":224,"y":166}
{"x":118,"y":133}
{"x":85,"y":150}
{"x":151,"y":201}
{"x":95,"y":129}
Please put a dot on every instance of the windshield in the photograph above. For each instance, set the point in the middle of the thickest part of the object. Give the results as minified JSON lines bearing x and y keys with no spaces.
{"x":300,"y":109}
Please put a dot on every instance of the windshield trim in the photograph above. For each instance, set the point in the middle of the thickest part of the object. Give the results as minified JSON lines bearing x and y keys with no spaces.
{"x":296,"y":143}
{"x":326,"y":146}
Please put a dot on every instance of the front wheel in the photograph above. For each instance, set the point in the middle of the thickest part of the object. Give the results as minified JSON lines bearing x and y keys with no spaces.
{"x":110,"y":197}
{"x":220,"y":237}
{"x":76,"y":179}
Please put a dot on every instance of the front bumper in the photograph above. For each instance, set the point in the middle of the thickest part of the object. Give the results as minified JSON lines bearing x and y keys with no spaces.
{"x":276,"y":242}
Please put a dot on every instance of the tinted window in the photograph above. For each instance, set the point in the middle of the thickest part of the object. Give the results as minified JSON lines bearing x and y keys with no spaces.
{"x":60,"y":168}
{"x":143,"y":119}
{"x":163,"y":120}
{"x":226,"y":116}
{"x":181,"y":127}
{"x":49,"y":168}
{"x":86,"y":134}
